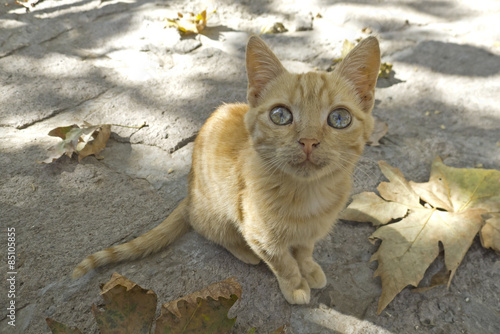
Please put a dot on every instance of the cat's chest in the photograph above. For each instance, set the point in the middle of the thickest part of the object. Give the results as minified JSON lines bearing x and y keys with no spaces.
{"x":310,"y":201}
{"x":304,"y":200}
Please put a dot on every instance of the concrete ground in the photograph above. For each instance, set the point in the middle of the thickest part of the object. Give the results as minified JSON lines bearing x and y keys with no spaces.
{"x":69,"y":61}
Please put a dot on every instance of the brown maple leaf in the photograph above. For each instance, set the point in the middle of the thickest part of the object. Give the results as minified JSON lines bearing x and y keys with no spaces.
{"x":449,"y":209}
{"x":202,"y":311}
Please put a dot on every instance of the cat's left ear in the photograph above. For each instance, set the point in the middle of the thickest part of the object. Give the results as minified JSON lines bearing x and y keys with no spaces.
{"x":262,"y":68}
{"x":361,"y":67}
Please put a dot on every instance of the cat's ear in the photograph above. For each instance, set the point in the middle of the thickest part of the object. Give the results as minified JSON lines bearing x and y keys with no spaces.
{"x":361,"y":67}
{"x":262,"y":68}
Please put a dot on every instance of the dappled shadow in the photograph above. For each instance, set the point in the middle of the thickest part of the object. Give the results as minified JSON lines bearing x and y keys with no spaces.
{"x":454,"y":59}
{"x":215,"y":32}
{"x":389,"y":81}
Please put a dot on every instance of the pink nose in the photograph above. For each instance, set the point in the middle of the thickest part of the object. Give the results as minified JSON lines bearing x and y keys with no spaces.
{"x":308,"y":145}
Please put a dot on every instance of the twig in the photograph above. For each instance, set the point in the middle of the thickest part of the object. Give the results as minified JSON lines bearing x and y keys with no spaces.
{"x":132,"y":127}
{"x":29,"y":3}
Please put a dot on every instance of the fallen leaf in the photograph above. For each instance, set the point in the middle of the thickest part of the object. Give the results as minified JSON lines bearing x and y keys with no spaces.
{"x":273,"y":28}
{"x":380,"y":129}
{"x":347,"y":46}
{"x":204,"y":311}
{"x":385,"y":70}
{"x":60,"y":328}
{"x":128,"y":307}
{"x":367,"y":30}
{"x":448,"y":209}
{"x":490,"y":233}
{"x":190,"y":23}
{"x":281,"y":330}
{"x":95,"y":143}
{"x":368,"y":207}
{"x":84,"y":141}
{"x":440,"y":278}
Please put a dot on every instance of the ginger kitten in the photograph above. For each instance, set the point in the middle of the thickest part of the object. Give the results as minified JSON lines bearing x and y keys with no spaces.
{"x":269,"y":178}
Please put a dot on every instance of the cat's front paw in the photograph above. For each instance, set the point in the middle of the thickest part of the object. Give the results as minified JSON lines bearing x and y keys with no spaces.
{"x":315,"y":276}
{"x":300,"y":294}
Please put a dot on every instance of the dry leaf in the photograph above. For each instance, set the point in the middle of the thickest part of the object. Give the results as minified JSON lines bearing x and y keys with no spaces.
{"x":385,"y":70}
{"x":448,"y":209}
{"x":84,"y":141}
{"x":95,"y":143}
{"x":190,"y":23}
{"x":281,"y":330}
{"x":203,"y":311}
{"x":490,"y":233}
{"x":347,"y":46}
{"x":60,"y":328}
{"x":380,"y":129}
{"x":128,"y":307}
{"x":273,"y":28}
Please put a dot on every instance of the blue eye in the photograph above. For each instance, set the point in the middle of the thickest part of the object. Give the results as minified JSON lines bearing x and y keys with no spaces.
{"x":281,"y":116}
{"x":339,"y":118}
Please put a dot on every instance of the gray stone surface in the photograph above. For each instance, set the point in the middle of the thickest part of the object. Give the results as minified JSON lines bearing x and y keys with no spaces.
{"x":70,"y":61}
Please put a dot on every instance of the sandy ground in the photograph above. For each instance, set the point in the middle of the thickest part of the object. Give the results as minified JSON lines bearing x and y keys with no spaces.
{"x":71,"y":61}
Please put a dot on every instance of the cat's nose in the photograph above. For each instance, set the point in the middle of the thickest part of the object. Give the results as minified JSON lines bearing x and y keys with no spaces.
{"x":308,"y":145}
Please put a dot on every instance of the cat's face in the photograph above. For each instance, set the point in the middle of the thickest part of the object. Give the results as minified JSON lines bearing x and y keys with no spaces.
{"x":313,"y":124}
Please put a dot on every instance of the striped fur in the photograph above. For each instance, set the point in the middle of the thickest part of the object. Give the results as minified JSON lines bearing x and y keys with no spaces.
{"x":268,"y":192}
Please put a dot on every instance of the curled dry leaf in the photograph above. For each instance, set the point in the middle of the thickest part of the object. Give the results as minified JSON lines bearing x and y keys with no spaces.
{"x":203,"y":311}
{"x":273,"y":28}
{"x":190,"y":23}
{"x":385,"y":70}
{"x":84,"y":141}
{"x":449,"y":209}
{"x":128,"y":307}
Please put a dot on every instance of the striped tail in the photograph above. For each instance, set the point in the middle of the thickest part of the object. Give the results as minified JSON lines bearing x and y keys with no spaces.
{"x":173,"y":227}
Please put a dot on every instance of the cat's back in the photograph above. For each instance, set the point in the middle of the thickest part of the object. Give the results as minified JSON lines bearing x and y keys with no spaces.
{"x":215,"y":179}
{"x":222,"y":135}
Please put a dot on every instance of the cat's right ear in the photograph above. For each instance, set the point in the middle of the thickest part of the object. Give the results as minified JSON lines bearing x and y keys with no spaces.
{"x":361,"y":67}
{"x":262,"y":68}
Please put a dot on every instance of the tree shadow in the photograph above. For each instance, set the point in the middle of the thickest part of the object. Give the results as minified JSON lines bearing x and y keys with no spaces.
{"x":454,"y":59}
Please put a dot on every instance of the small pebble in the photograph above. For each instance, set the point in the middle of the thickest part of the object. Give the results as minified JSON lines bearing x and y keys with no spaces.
{"x":442,"y":127}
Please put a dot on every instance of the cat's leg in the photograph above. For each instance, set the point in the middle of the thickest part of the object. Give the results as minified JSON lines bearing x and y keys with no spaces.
{"x":311,"y":270}
{"x":294,"y":287}
{"x":241,"y":251}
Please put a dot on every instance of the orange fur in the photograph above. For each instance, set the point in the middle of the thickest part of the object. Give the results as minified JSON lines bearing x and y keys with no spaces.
{"x":266,"y":191}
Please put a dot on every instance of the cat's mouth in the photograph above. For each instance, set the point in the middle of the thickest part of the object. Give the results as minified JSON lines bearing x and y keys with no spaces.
{"x":305,"y":167}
